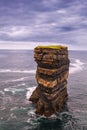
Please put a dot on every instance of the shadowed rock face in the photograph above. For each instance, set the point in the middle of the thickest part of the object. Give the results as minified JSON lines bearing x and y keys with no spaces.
{"x":51,"y":76}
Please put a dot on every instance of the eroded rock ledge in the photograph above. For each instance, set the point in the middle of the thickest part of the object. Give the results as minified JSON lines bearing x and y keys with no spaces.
{"x":51,"y":75}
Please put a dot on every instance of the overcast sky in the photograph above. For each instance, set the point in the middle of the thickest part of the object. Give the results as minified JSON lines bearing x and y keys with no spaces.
{"x":27,"y":23}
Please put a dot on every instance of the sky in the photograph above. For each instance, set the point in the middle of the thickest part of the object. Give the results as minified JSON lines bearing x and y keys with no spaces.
{"x":25,"y":24}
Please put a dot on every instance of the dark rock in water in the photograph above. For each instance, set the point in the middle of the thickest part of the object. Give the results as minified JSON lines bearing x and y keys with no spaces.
{"x":51,"y":76}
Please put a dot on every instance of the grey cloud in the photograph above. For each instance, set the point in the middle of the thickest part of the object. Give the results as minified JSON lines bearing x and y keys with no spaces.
{"x":42,"y":20}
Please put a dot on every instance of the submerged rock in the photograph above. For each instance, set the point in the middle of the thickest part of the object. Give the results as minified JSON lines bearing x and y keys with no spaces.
{"x":51,"y":76}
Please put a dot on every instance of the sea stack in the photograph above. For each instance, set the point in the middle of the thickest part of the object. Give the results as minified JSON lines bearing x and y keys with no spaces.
{"x":51,"y":75}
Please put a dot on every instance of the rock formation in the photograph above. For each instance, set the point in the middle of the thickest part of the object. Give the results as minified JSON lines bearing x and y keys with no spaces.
{"x":51,"y":75}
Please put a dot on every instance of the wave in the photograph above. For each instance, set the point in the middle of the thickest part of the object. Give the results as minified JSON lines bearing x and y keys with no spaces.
{"x":17,"y":71}
{"x":29,"y":91}
{"x":14,"y":90}
{"x":2,"y":93}
{"x":16,"y":80}
{"x":19,"y":90}
{"x":76,"y":66}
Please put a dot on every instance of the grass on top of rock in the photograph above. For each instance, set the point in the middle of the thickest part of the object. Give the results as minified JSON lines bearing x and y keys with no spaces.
{"x":51,"y":47}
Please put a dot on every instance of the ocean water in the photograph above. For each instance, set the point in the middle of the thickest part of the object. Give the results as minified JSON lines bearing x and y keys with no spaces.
{"x":17,"y":81}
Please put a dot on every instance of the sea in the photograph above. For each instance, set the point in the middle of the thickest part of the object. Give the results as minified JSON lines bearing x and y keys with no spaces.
{"x":17,"y":82}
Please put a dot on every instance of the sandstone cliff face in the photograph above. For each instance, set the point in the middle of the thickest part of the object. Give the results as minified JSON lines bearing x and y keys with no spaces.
{"x":51,"y":76}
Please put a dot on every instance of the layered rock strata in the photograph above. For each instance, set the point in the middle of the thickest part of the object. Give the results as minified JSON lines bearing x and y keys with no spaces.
{"x":51,"y":75}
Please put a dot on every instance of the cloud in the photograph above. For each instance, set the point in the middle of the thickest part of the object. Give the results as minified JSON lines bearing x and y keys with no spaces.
{"x":18,"y":31}
{"x":50,"y":21}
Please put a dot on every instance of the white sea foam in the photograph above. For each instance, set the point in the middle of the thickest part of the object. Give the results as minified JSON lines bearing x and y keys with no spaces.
{"x":29,"y":92}
{"x":20,"y":79}
{"x":12,"y":116}
{"x":17,"y":71}
{"x":13,"y":108}
{"x":13,"y":90}
{"x":80,"y":111}
{"x":76,"y":66}
{"x":1,"y":118}
{"x":2,"y":108}
{"x":16,"y":80}
{"x":18,"y":85}
{"x":2,"y":93}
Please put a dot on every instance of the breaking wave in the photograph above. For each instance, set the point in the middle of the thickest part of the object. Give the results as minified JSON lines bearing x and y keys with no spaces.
{"x":17,"y":71}
{"x":76,"y":66}
{"x":16,"y":80}
{"x":29,"y":91}
{"x":13,"y":90}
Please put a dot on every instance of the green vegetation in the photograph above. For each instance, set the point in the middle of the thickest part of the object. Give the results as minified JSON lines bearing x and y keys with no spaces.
{"x":58,"y":47}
